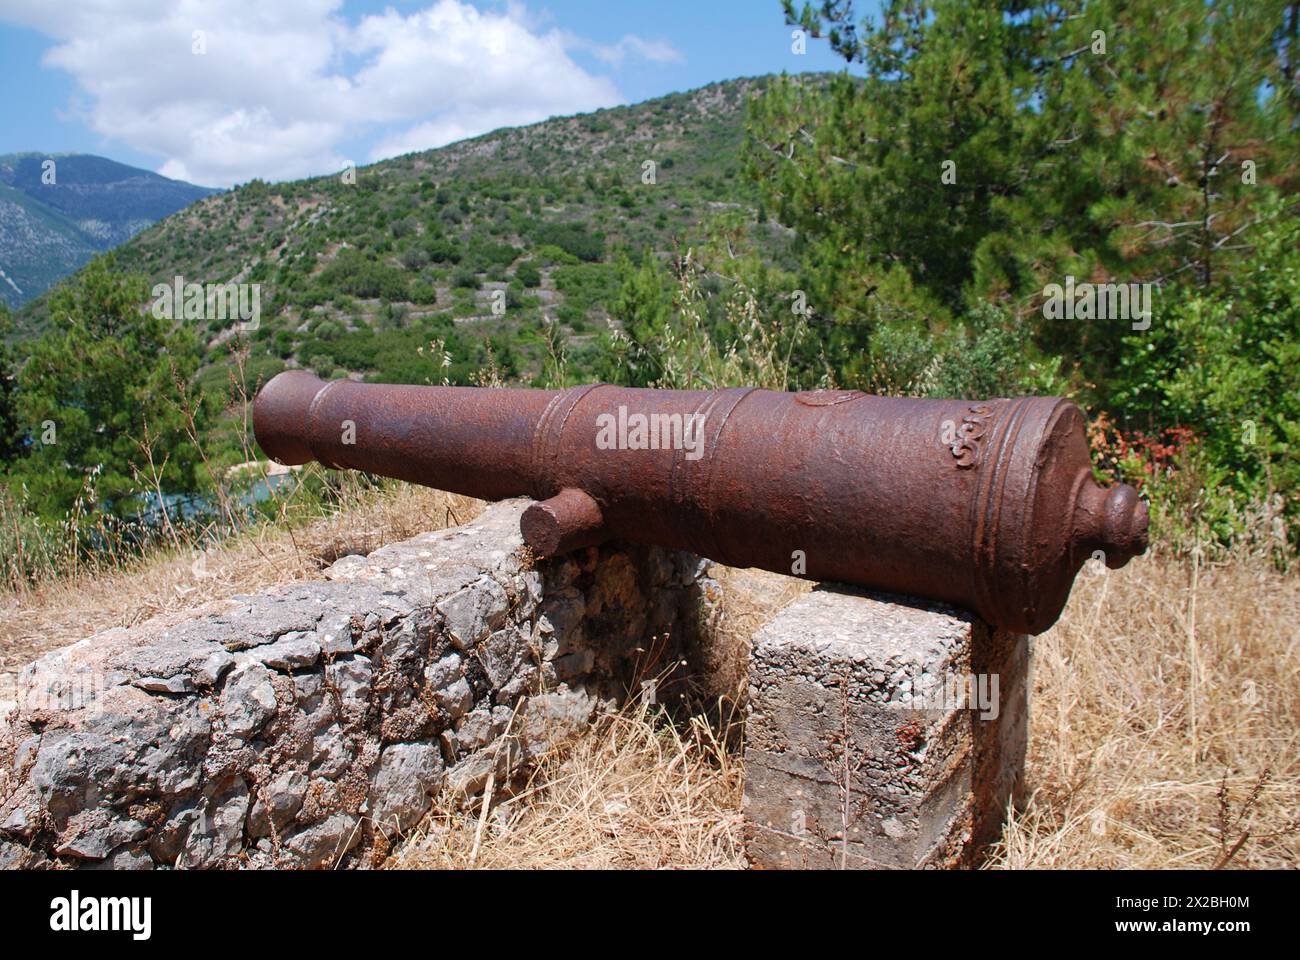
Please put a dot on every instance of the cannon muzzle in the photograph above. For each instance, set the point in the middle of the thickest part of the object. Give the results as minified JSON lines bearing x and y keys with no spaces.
{"x":988,"y":505}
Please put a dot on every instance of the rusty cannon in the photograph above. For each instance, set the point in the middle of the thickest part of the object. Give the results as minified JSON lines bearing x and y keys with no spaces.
{"x":987,"y":505}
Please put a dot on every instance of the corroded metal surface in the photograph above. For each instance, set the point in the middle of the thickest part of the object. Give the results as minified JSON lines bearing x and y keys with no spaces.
{"x":988,"y":505}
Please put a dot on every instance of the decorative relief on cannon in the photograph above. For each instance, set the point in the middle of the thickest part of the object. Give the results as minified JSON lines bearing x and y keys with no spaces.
{"x":965,"y":445}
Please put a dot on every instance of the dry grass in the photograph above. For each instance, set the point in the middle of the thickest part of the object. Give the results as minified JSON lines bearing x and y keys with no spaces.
{"x":635,"y":793}
{"x":64,"y":611}
{"x":1165,"y":728}
{"x":1163,"y":735}
{"x":749,"y":599}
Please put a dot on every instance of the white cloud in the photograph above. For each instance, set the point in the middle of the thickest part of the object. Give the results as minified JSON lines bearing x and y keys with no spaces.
{"x":488,"y":70}
{"x":284,"y":82}
{"x":656,"y":51}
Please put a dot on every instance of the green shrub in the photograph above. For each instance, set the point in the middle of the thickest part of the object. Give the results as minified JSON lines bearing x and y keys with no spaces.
{"x":364,"y":277}
{"x":464,"y":278}
{"x":1226,"y":365}
{"x":575,"y":239}
{"x":484,"y":255}
{"x":528,"y":274}
{"x":442,"y":250}
{"x":424,"y":294}
{"x":588,"y":285}
{"x":549,"y":255}
{"x":326,"y":329}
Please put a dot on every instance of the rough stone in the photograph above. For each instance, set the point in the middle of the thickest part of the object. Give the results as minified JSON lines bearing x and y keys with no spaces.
{"x":863,"y":747}
{"x":409,"y":775}
{"x":277,"y":802}
{"x":325,"y":843}
{"x":455,"y":700}
{"x":443,"y":673}
{"x":293,"y":651}
{"x":217,"y":831}
{"x":552,"y":718}
{"x":248,"y":701}
{"x":472,"y":613}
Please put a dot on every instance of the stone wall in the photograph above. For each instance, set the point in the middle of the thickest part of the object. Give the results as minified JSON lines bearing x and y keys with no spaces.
{"x":307,"y":725}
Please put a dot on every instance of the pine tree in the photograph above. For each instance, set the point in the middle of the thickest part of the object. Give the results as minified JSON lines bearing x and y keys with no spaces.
{"x":901,"y":168}
{"x":995,"y":146}
{"x":105,"y":379}
{"x":641,"y":309}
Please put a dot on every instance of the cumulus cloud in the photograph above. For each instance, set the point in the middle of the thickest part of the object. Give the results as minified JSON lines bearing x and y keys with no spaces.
{"x":227,"y":90}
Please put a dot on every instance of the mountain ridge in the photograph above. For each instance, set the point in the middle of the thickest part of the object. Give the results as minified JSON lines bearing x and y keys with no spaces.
{"x":58,"y":210}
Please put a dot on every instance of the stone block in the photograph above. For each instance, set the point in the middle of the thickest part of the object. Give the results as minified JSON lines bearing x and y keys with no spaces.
{"x":881,"y":732}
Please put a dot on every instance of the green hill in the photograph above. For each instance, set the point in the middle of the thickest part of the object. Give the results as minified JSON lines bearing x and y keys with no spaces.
{"x":359,"y":274}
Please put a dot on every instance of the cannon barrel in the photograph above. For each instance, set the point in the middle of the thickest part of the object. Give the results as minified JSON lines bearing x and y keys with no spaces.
{"x":988,"y":505}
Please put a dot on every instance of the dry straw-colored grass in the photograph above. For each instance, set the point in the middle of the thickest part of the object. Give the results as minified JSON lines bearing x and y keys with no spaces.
{"x":641,"y":791}
{"x":637,"y":792}
{"x":1165,"y":728}
{"x":63,"y":611}
{"x":1163,"y":735}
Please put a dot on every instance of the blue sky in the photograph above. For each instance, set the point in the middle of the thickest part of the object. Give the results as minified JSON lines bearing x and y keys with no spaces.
{"x":220,"y":91}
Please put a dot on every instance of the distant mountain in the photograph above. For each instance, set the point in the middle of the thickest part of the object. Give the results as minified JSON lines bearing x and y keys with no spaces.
{"x":52,"y":222}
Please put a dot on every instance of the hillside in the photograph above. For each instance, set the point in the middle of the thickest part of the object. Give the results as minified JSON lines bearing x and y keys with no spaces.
{"x":360,"y":277}
{"x":49,"y":229}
